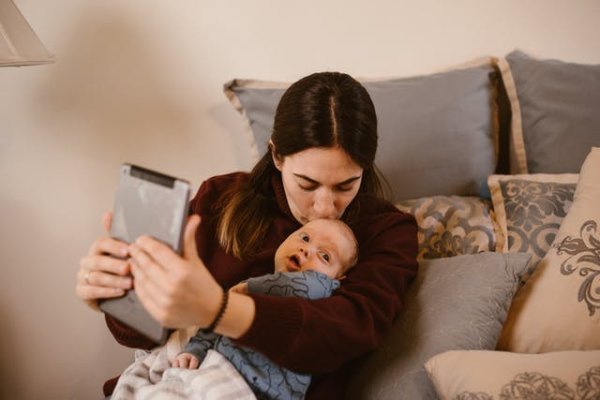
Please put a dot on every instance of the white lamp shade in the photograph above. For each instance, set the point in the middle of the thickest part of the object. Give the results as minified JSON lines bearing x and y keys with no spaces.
{"x":19,"y":45}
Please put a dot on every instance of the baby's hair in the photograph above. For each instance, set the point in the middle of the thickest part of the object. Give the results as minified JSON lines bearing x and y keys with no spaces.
{"x":353,"y":259}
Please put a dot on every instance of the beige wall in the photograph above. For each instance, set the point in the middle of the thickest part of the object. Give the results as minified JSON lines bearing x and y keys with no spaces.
{"x":140,"y":81}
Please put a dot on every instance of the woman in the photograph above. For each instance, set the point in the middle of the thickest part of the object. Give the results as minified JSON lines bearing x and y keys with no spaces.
{"x":320,"y":164}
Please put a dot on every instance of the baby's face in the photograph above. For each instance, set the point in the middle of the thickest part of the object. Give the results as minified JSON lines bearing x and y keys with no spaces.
{"x":321,"y":245}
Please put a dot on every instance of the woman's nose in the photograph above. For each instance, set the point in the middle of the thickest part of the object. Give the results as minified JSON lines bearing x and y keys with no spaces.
{"x":324,"y":205}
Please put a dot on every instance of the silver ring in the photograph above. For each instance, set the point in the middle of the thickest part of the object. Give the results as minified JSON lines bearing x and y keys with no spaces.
{"x":86,"y":277}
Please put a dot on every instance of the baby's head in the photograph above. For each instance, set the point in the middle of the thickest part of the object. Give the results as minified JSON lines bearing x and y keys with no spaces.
{"x":323,"y":245}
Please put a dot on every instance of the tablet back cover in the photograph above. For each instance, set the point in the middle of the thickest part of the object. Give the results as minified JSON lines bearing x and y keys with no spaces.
{"x":153,"y":204}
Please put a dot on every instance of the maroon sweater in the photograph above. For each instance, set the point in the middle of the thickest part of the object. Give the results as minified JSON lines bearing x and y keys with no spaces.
{"x":324,"y":337}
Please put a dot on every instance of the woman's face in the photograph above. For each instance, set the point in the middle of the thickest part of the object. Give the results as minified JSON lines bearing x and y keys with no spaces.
{"x":319,"y":182}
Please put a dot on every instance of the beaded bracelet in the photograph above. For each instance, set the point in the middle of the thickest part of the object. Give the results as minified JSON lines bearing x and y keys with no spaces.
{"x":215,"y":322}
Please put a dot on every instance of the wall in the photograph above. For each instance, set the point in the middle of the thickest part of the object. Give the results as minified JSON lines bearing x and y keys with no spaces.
{"x":141,"y":81}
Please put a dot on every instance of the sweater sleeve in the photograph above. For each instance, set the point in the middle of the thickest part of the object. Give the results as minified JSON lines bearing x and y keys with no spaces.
{"x":127,"y":336}
{"x":355,"y":319}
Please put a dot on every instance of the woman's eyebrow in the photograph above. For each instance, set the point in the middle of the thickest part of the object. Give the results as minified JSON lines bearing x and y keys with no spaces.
{"x":347,"y":181}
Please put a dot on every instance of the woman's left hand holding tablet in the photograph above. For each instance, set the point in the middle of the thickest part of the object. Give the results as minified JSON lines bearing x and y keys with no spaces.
{"x":104,"y":271}
{"x":176,"y":290}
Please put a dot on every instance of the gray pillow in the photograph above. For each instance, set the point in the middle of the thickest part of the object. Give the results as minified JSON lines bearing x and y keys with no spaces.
{"x":555,"y":113}
{"x":457,"y":303}
{"x":435,"y":132}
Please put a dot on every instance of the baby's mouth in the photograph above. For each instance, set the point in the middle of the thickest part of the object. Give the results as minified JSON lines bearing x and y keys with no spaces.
{"x":294,"y":263}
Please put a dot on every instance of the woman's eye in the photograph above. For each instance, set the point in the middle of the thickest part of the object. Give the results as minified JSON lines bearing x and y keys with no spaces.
{"x":308,"y":188}
{"x":344,"y":188}
{"x":304,"y":237}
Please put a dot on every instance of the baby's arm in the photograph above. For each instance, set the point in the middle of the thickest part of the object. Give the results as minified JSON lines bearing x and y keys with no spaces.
{"x":195,"y":350}
{"x":310,"y":285}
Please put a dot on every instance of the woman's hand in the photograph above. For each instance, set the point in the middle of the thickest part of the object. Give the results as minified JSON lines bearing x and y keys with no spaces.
{"x":177,"y":291}
{"x":104,"y":271}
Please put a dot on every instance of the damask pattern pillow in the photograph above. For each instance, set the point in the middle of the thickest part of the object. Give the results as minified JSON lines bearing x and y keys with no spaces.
{"x":529,"y":210}
{"x":453,"y":225}
{"x":558,"y":308}
{"x":488,"y":375}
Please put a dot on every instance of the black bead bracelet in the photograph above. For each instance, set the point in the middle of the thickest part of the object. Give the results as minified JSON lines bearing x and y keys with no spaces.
{"x":213,"y":325}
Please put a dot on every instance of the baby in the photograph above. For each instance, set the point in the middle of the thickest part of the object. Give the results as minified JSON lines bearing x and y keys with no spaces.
{"x":309,"y":264}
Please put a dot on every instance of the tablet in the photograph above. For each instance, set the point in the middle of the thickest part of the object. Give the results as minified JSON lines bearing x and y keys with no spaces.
{"x":153,"y":204}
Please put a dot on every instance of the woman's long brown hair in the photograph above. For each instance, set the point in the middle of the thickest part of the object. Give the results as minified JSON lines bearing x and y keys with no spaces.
{"x":325,"y":109}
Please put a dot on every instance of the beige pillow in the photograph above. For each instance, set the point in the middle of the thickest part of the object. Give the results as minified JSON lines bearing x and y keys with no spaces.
{"x":487,"y":375}
{"x":559,"y":306}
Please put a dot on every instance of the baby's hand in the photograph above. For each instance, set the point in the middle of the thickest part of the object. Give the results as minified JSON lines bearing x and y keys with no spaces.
{"x":185,"y":360}
{"x":241,"y":288}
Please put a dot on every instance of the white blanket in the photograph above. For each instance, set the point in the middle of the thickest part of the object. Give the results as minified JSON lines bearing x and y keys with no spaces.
{"x":151,"y":376}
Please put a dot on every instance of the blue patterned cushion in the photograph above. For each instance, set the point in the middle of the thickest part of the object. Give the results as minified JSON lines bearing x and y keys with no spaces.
{"x":530,"y":208}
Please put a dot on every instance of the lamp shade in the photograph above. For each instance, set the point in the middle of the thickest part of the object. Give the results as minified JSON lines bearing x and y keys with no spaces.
{"x":19,"y":45}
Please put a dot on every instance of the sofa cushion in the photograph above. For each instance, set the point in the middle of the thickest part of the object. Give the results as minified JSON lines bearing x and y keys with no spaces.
{"x":452,"y":225}
{"x":487,"y":375}
{"x":529,"y":209}
{"x":558,"y":308}
{"x":455,"y":303}
{"x":555,"y":118}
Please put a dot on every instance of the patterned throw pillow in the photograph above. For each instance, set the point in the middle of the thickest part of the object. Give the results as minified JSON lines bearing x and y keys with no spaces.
{"x":559,"y":306}
{"x":452,"y":225}
{"x":487,"y":375}
{"x":529,"y":210}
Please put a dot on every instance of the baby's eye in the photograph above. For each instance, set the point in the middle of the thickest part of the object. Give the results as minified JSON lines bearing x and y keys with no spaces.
{"x":325,"y":257}
{"x":304,"y":237}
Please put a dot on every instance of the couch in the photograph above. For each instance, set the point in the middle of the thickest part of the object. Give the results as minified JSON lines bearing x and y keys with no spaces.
{"x":499,"y":162}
